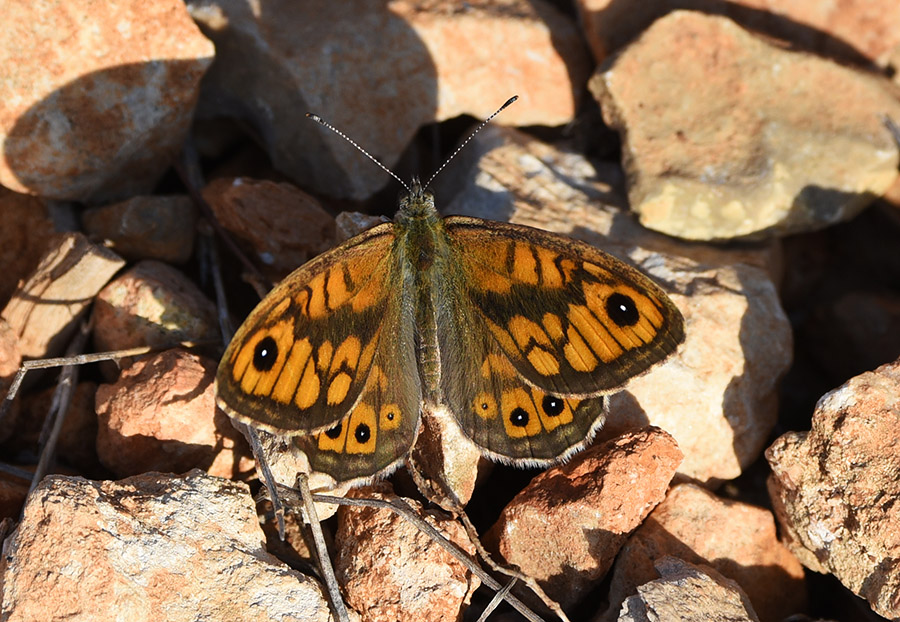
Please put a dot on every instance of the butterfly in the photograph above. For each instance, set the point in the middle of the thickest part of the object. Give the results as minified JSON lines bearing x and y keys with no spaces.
{"x":519,"y":332}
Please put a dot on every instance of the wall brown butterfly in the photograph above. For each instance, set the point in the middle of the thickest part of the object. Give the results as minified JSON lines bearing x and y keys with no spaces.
{"x":519,"y":332}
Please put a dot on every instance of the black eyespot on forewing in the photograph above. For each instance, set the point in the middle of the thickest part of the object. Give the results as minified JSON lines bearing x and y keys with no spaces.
{"x":334,"y":432}
{"x":265,"y":354}
{"x":622,"y":310}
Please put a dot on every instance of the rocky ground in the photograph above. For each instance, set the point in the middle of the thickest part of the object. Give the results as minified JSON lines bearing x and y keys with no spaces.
{"x":159,"y":173}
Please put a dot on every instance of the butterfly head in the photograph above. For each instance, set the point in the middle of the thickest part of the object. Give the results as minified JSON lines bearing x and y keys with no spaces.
{"x":417,"y":204}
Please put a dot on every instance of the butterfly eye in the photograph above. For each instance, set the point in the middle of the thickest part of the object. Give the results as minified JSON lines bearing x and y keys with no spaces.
{"x":553,"y":406}
{"x":265,"y":354}
{"x":622,"y":310}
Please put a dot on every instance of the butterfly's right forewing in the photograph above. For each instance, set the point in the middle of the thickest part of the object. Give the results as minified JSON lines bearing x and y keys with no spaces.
{"x":300,"y":361}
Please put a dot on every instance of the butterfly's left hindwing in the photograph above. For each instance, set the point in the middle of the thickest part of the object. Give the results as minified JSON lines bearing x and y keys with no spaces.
{"x":507,"y":418}
{"x":381,"y":428}
{"x":378,"y":433}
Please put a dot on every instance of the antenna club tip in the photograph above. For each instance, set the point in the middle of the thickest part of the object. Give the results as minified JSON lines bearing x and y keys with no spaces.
{"x":314,"y":117}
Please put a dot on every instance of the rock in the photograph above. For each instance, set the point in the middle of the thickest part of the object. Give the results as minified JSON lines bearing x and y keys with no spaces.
{"x":688,"y":593}
{"x":348,"y":224}
{"x":46,"y":309}
{"x":146,"y":227}
{"x":836,"y":488}
{"x":443,"y":461}
{"x":25,"y":233}
{"x":854,"y":31}
{"x":390,"y":571}
{"x":96,"y":103}
{"x":150,"y":547}
{"x":736,"y":539}
{"x":161,"y":416}
{"x":152,"y":304}
{"x":283,"y":225}
{"x":565,"y":528}
{"x":717,"y":394}
{"x":760,"y":141}
{"x":10,"y":357}
{"x":435,"y":61}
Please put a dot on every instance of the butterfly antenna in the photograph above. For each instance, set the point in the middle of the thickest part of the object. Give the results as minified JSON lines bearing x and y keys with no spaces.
{"x":322,"y":121}
{"x":471,"y":136}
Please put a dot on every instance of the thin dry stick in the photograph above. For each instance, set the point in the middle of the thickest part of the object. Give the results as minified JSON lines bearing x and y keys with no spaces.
{"x":268,"y":479}
{"x":188,"y":168}
{"x":401,"y":508}
{"x":15,"y":471}
{"x":249,"y":432}
{"x":79,"y":359}
{"x":496,"y":600}
{"x":225,"y":326}
{"x":309,"y":510}
{"x":509,"y":572}
{"x":59,"y":406}
{"x":892,"y":126}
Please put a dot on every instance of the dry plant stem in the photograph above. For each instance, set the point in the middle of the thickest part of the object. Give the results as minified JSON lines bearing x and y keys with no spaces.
{"x":496,"y":600}
{"x":59,"y":406}
{"x":309,"y":511}
{"x":509,"y":572}
{"x":15,"y":471}
{"x":225,"y":326}
{"x":249,"y":432}
{"x":80,"y":359}
{"x":188,"y":168}
{"x":267,"y":477}
{"x":449,"y":502}
{"x":894,"y":129}
{"x":399,"y":507}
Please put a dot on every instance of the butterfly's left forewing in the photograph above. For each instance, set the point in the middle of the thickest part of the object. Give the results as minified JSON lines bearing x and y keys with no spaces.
{"x":534,"y":331}
{"x":571,"y":319}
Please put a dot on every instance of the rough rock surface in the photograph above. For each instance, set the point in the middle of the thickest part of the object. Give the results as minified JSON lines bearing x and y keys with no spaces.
{"x":161,"y":415}
{"x":565,"y":528}
{"x":151,"y":547}
{"x":392,"y":572}
{"x":96,"y":102}
{"x":433,"y":61}
{"x":759,"y":141}
{"x":836,"y":488}
{"x":736,"y":539}
{"x":687,"y":593}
